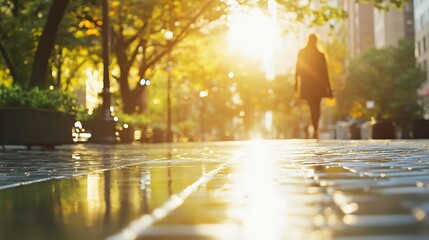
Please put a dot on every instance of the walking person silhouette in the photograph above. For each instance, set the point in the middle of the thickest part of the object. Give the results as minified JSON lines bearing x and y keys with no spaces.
{"x":312,"y":79}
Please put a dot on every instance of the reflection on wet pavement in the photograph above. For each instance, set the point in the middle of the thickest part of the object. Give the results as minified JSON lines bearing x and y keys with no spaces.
{"x":290,"y":189}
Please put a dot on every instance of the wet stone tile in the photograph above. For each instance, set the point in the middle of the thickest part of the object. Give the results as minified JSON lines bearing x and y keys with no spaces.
{"x":402,"y":190}
{"x":292,"y":189}
{"x":387,"y":180}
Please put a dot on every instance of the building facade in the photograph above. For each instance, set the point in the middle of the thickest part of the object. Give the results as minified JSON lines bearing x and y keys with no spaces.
{"x":370,"y":27}
{"x":421,"y":27}
{"x":360,"y":25}
{"x":393,"y":25}
{"x":421,"y":24}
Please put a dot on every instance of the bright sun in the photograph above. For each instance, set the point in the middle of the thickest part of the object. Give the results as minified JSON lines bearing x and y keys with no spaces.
{"x":257,"y":34}
{"x":254,"y":33}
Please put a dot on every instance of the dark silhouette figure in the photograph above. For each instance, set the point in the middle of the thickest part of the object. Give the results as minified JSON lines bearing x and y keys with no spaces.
{"x":311,"y":79}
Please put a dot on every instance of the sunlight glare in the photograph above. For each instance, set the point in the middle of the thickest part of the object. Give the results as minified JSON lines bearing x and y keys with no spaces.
{"x":93,"y":196}
{"x":260,"y":217}
{"x":253,"y":33}
{"x":257,"y":34}
{"x":93,"y":87}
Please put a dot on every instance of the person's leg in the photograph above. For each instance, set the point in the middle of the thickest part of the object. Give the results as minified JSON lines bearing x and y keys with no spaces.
{"x":315,"y":114}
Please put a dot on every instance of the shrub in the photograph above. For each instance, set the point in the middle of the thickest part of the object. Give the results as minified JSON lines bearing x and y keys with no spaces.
{"x":136,"y":120}
{"x":16,"y":96}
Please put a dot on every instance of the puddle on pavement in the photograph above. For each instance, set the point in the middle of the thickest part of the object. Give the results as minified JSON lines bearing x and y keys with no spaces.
{"x":93,"y":206}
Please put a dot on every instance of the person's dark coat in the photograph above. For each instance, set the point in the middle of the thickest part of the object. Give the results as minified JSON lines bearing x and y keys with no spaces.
{"x":312,"y":74}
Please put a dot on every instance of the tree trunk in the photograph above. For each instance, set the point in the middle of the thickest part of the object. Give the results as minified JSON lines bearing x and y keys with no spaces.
{"x":130,"y":97}
{"x":129,"y":104}
{"x":128,"y":100}
{"x":46,"y":43}
{"x":59,"y":66}
{"x":15,"y":10}
{"x":9,"y":64}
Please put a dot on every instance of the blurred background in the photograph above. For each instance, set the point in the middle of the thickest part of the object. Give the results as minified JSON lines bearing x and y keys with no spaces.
{"x":217,"y":70}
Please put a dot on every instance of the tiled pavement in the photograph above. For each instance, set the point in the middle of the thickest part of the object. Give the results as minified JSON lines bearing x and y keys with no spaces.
{"x":286,"y":189}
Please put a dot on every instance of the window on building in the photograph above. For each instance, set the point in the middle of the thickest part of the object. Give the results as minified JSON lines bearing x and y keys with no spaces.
{"x":424,"y":44}
{"x":425,"y":67}
{"x":407,"y":7}
{"x":418,"y":49}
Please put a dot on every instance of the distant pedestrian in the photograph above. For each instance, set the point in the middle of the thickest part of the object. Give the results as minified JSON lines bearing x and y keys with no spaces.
{"x":312,"y":79}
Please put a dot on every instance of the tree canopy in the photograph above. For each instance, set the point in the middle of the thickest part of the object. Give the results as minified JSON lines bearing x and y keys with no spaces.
{"x":388,"y":76}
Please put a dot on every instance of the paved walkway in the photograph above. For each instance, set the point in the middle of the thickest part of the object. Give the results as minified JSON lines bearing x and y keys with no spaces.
{"x":288,"y":189}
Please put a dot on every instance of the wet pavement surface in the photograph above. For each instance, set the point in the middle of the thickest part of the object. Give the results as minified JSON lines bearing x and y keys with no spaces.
{"x":285,"y":189}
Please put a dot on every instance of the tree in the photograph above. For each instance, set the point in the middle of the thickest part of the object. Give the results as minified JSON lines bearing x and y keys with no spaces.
{"x":139,"y":31}
{"x":28,"y":31}
{"x":77,"y":46}
{"x":336,"y":52}
{"x":17,"y":34}
{"x":143,"y":43}
{"x":204,"y":71}
{"x":46,"y":43}
{"x":390,"y":77}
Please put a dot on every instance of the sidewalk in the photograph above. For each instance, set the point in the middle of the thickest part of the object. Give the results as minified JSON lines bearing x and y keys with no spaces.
{"x":285,"y":189}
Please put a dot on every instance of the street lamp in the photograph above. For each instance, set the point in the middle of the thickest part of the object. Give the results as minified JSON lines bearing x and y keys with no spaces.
{"x":169,"y":131}
{"x":105,"y":131}
{"x":203,"y":94}
{"x":168,"y":36}
{"x":106,"y":83}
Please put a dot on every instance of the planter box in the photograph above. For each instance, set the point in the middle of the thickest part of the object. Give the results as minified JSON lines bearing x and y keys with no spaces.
{"x":25,"y":126}
{"x":421,"y":129}
{"x":381,"y":129}
{"x":342,"y":130}
{"x":348,"y":130}
{"x":102,"y":131}
{"x":384,"y":129}
{"x":126,"y":135}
